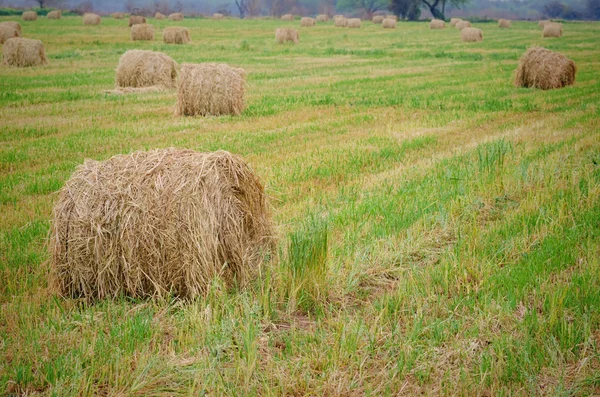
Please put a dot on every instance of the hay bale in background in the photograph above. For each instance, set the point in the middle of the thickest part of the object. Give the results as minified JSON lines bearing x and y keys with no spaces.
{"x":471,"y":35}
{"x":8,"y":32}
{"x":552,"y":30}
{"x":177,"y":16}
{"x":463,"y":24}
{"x":338,"y":16}
{"x":454,"y":21}
{"x":158,"y":223}
{"x":136,"y":19}
{"x":544,"y":69}
{"x":140,"y":68}
{"x":437,"y":24}
{"x":142,"y":31}
{"x":286,"y":34}
{"x":29,"y":16}
{"x":287,"y":17}
{"x":210,"y":89}
{"x":543,"y":23}
{"x":377,"y":19}
{"x":176,"y":35}
{"x":56,"y":14}
{"x":14,"y":25}
{"x":91,"y":19}
{"x":22,"y":53}
{"x":394,"y":17}
{"x":340,"y":22}
{"x":354,"y":23}
{"x":322,"y":18}
{"x":118,"y":15}
{"x":504,"y":23}
{"x":307,"y":22}
{"x":159,"y":16}
{"x":216,"y":15}
{"x":389,"y":23}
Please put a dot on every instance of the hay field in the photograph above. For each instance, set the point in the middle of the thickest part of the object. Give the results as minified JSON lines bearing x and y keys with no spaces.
{"x":439,"y":228}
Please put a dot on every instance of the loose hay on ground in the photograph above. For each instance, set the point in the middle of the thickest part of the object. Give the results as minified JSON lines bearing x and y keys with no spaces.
{"x":389,"y":23}
{"x":177,"y":16}
{"x":544,"y":69}
{"x":56,"y":14}
{"x":136,"y":20}
{"x":354,"y":23}
{"x":91,"y":19}
{"x":462,"y":25}
{"x":8,"y":32}
{"x":552,"y":30}
{"x":141,"y":68}
{"x":471,"y":35}
{"x":22,"y":52}
{"x":322,"y":18}
{"x":176,"y":35}
{"x":286,"y":34}
{"x":307,"y":22}
{"x":29,"y":16}
{"x":504,"y":23}
{"x":377,"y":19}
{"x":142,"y":31}
{"x":437,"y":24}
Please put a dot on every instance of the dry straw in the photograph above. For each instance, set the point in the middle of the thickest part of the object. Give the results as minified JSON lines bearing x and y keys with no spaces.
{"x":389,"y":23}
{"x":118,"y":15}
{"x":56,"y":14}
{"x":159,"y":16}
{"x":176,"y":35}
{"x":543,"y":23}
{"x":394,"y":17}
{"x":377,"y":19}
{"x":140,"y":68}
{"x":160,"y":223}
{"x":22,"y":52}
{"x":177,"y":16}
{"x":437,"y":24}
{"x":8,"y":32}
{"x":216,"y":15}
{"x":322,"y":18}
{"x":142,"y":31}
{"x":307,"y":22}
{"x":504,"y":23}
{"x":471,"y":35}
{"x":463,"y":24}
{"x":552,"y":30}
{"x":454,"y":21}
{"x":544,"y":69}
{"x":340,"y":22}
{"x":287,"y":17}
{"x":338,"y":16}
{"x":136,"y":19}
{"x":283,"y":35}
{"x":29,"y":16}
{"x":354,"y":23}
{"x":14,"y":25}
{"x":210,"y":89}
{"x":91,"y":19}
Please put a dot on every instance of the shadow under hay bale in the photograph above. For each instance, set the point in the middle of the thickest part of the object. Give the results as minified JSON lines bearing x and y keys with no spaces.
{"x":20,"y":52}
{"x":377,"y":19}
{"x":136,"y":20}
{"x":91,"y":19}
{"x":118,"y":15}
{"x":552,"y":30}
{"x":437,"y":24}
{"x":8,"y":32}
{"x":56,"y":14}
{"x":283,"y":35}
{"x":354,"y":23}
{"x":217,"y":15}
{"x":462,"y":25}
{"x":29,"y":16}
{"x":159,"y":16}
{"x":454,"y":21}
{"x":176,"y":35}
{"x":322,"y":18}
{"x":307,"y":22}
{"x":389,"y":23}
{"x":504,"y":23}
{"x":340,"y":22}
{"x":210,"y":89}
{"x":287,"y":17}
{"x":177,"y":16}
{"x":471,"y":35}
{"x":544,"y":69}
{"x":141,"y":68}
{"x":142,"y":31}
{"x":158,"y":223}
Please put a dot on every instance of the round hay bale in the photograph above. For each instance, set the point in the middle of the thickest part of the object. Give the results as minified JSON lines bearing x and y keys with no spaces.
{"x":29,"y":16}
{"x":136,"y":19}
{"x":340,"y":22}
{"x":543,"y":23}
{"x":471,"y":35}
{"x":159,"y":16}
{"x":283,"y":35}
{"x":142,"y":31}
{"x":307,"y":22}
{"x":544,"y":69}
{"x":8,"y":32}
{"x":463,"y":24}
{"x":216,"y":15}
{"x":389,"y":23}
{"x":176,"y":35}
{"x":287,"y":17}
{"x":118,"y":15}
{"x":552,"y":30}
{"x":354,"y":23}
{"x":91,"y":19}
{"x":437,"y":24}
{"x":322,"y":18}
{"x":140,"y":68}
{"x":454,"y":21}
{"x":23,"y":53}
{"x":13,"y":24}
{"x":338,"y":16}
{"x":176,"y":16}
{"x":158,"y":223}
{"x":394,"y":17}
{"x":210,"y":89}
{"x":504,"y":23}
{"x":377,"y":19}
{"x":56,"y":14}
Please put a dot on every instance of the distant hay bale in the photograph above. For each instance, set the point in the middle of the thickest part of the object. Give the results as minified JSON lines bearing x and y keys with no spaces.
{"x":29,"y":16}
{"x":287,"y":17}
{"x":158,"y":223}
{"x":56,"y":14}
{"x":504,"y":23}
{"x":471,"y":35}
{"x":338,"y":16}
{"x":552,"y":30}
{"x":142,"y":31}
{"x":389,"y":23}
{"x":463,"y":24}
{"x":216,"y":15}
{"x":91,"y":19}
{"x":286,"y":34}
{"x":437,"y":24}
{"x":136,"y":19}
{"x":159,"y":16}
{"x":394,"y":17}
{"x":544,"y":69}
{"x":307,"y":22}
{"x":210,"y":89}
{"x":23,"y":53}
{"x":118,"y":15}
{"x":354,"y":23}
{"x":340,"y":22}
{"x":14,"y":25}
{"x":454,"y":21}
{"x":377,"y":19}
{"x":322,"y":18}
{"x":177,"y":16}
{"x":8,"y":32}
{"x":140,"y":68}
{"x":543,"y":23}
{"x":176,"y":35}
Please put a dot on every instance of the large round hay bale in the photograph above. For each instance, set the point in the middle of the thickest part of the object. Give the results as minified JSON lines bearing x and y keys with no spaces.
{"x":377,"y":19}
{"x":340,"y":22}
{"x":454,"y":21}
{"x":142,"y":31}
{"x":159,"y":16}
{"x":543,"y":23}
{"x":22,"y":52}
{"x":471,"y":35}
{"x":56,"y":14}
{"x":217,"y":15}
{"x":14,"y":25}
{"x":210,"y":89}
{"x":437,"y":24}
{"x":544,"y":69}
{"x":141,"y":68}
{"x":307,"y":22}
{"x":283,"y":35}
{"x":287,"y":17}
{"x":354,"y":23}
{"x":29,"y":16}
{"x":389,"y":23}
{"x":322,"y":18}
{"x":118,"y":15}
{"x":504,"y":23}
{"x":91,"y":19}
{"x":8,"y":32}
{"x":463,"y":24}
{"x":136,"y":19}
{"x":176,"y":35}
{"x":176,"y":16}
{"x":552,"y":30}
{"x":164,"y":222}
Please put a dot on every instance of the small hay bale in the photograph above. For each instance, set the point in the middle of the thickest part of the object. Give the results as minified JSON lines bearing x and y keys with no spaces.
{"x":140,"y":68}
{"x":307,"y":22}
{"x":283,"y":35}
{"x":470,"y":35}
{"x":463,"y":24}
{"x":354,"y":23}
{"x":287,"y":17}
{"x":389,"y":23}
{"x":91,"y":19}
{"x":29,"y":16}
{"x":454,"y":21}
{"x":56,"y":14}
{"x":377,"y":19}
{"x":504,"y":23}
{"x":210,"y":89}
{"x":176,"y":35}
{"x":216,"y":15}
{"x":543,"y":23}
{"x":544,"y":69}
{"x":340,"y":22}
{"x":8,"y":32}
{"x":13,"y":24}
{"x":136,"y":20}
{"x":23,"y":53}
{"x":437,"y":24}
{"x":159,"y":16}
{"x":552,"y":30}
{"x":118,"y":15}
{"x":322,"y":18}
{"x":142,"y":31}
{"x":162,"y":223}
{"x":176,"y":16}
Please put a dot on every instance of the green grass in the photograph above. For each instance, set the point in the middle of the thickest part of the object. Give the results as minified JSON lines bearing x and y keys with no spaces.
{"x":439,"y":229}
